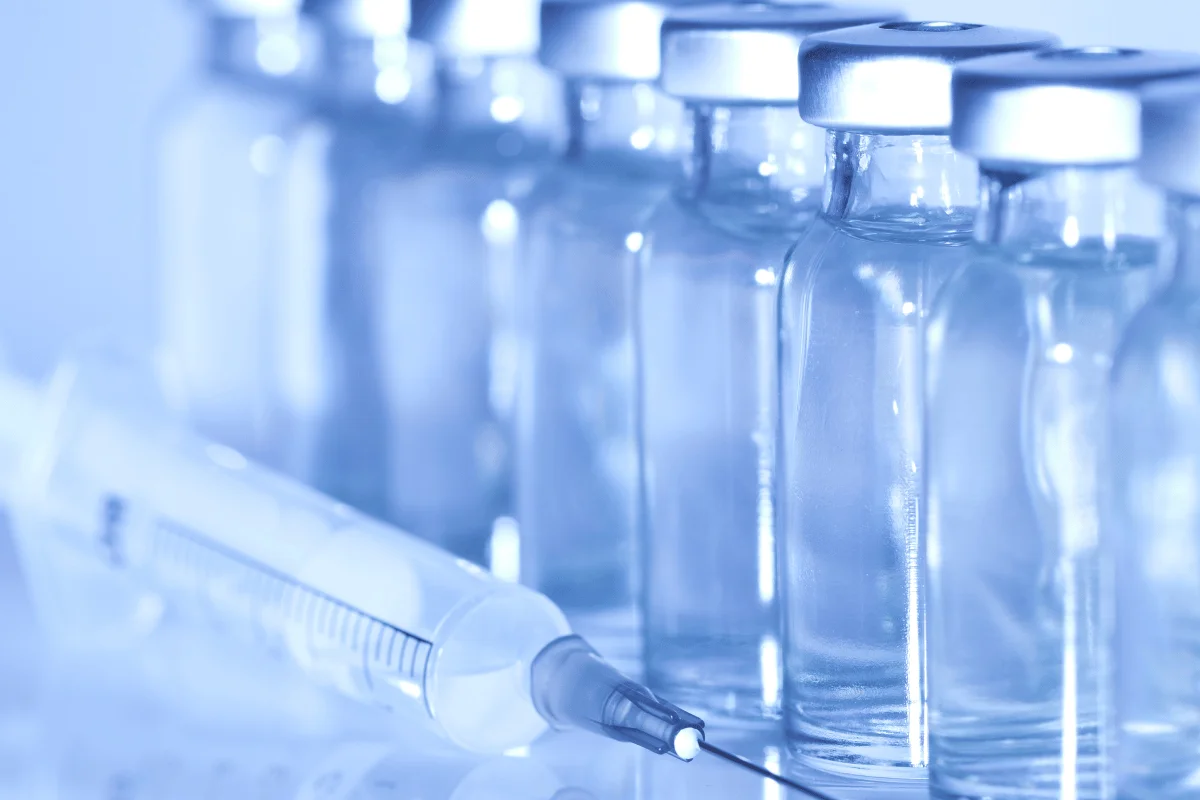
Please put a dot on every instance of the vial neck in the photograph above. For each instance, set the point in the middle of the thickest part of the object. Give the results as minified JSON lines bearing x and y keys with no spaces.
{"x":760,"y":164}
{"x":492,"y":108}
{"x":631,"y":129}
{"x":1073,"y":214}
{"x":914,"y":187}
{"x":1183,"y":241}
{"x":380,"y":74}
{"x":268,"y":51}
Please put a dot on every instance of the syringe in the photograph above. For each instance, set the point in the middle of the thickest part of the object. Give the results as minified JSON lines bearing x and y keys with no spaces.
{"x":377,"y":613}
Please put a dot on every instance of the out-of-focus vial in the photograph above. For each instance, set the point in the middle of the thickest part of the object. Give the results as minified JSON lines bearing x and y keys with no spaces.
{"x":1155,"y":467}
{"x":898,"y":209}
{"x":1020,"y":345}
{"x":446,"y":247}
{"x":709,"y":268}
{"x":375,"y":99}
{"x":221,"y":196}
{"x":576,"y":456}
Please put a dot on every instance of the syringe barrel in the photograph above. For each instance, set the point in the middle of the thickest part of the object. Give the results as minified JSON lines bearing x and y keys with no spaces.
{"x":376,"y":612}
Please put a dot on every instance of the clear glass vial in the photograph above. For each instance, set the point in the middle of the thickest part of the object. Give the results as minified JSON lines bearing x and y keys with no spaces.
{"x":222,"y":192}
{"x":446,"y":245}
{"x":706,"y":340}
{"x":898,"y":208}
{"x":375,"y":98}
{"x":1155,"y":419}
{"x":1020,"y":346}
{"x":576,"y":459}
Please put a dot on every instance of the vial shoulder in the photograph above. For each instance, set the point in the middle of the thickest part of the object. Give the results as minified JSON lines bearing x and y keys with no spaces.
{"x":979,"y":288}
{"x":1088,"y":258}
{"x":808,"y":251}
{"x":745,"y":217}
{"x":213,"y":133}
{"x":830,"y":265}
{"x":998,"y":288}
{"x":1154,"y":394}
{"x":368,"y":148}
{"x":487,"y":149}
{"x":449,"y":189}
{"x":212,"y":106}
{"x":681,"y":238}
{"x":977,"y":338}
{"x":566,"y":201}
{"x":1162,"y":338}
{"x":830,"y":245}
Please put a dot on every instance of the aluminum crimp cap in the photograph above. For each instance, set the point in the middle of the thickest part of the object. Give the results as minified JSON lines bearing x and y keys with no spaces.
{"x":733,"y":53}
{"x":370,"y":19}
{"x":477,"y":27}
{"x":895,"y":77}
{"x":1170,"y":129}
{"x":603,"y":39}
{"x":1070,"y":106}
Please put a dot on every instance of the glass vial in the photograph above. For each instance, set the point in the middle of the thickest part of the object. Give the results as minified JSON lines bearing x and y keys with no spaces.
{"x":375,"y":102}
{"x":899,"y":205}
{"x":445,"y":247}
{"x":222,"y":188}
{"x":709,"y":270}
{"x":1156,"y":471}
{"x":576,"y":458}
{"x":1020,"y":345}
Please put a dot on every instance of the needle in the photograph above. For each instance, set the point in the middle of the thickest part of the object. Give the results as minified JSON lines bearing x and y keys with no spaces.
{"x":766,"y":773}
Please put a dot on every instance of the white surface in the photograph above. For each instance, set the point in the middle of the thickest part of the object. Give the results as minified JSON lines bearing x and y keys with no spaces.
{"x":80,"y":748}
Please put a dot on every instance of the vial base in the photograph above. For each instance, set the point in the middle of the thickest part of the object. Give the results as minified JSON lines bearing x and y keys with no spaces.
{"x":1160,"y":755}
{"x":727,"y":681}
{"x":875,"y":758}
{"x":1017,"y":761}
{"x":863,"y":720}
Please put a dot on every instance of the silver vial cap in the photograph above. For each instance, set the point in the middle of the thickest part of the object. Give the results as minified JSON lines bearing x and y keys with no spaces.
{"x":602,"y":39}
{"x":733,"y":53}
{"x":1072,"y":106}
{"x":363,"y":18}
{"x":1171,"y":136}
{"x":895,"y":77}
{"x":477,"y":27}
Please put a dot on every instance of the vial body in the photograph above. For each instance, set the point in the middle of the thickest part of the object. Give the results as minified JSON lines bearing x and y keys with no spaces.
{"x":272,"y":336}
{"x":1021,"y":345}
{"x":1156,"y":441}
{"x":224,"y":196}
{"x":445,"y":247}
{"x":361,"y":142}
{"x":854,"y":309}
{"x":707,"y":342}
{"x":576,"y":452}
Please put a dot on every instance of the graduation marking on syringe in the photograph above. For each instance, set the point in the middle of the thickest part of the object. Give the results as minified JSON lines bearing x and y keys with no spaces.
{"x":317,"y":611}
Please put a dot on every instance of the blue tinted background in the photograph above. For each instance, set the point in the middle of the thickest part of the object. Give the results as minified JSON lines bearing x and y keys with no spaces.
{"x":80,"y":84}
